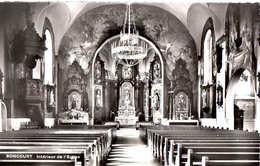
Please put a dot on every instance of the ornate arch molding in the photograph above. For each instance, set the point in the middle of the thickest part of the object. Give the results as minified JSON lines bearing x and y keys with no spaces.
{"x":152,"y":46}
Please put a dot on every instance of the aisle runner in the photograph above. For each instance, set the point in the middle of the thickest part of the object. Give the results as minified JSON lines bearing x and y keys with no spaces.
{"x":129,"y":150}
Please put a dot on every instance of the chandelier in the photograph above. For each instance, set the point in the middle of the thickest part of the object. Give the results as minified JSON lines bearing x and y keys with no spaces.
{"x":128,"y":50}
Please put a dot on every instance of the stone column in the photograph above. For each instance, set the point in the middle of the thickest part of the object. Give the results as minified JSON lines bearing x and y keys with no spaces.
{"x":137,"y":86}
{"x":170,"y":106}
{"x":115,"y":106}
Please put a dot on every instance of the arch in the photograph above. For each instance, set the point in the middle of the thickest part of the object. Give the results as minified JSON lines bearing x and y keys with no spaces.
{"x":231,"y":89}
{"x":111,"y":39}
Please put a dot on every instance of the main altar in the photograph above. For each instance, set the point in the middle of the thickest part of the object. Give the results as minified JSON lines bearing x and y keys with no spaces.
{"x":126,"y":114}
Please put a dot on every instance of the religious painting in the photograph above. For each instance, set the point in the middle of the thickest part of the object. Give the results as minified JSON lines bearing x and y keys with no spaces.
{"x":181,"y":106}
{"x":98,"y":96}
{"x":127,"y":72}
{"x":74,"y":101}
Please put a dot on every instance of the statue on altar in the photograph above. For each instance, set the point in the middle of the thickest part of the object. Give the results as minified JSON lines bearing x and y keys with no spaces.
{"x":126,"y":107}
{"x":156,"y":101}
{"x":127,"y":100}
{"x":98,"y":98}
{"x":74,"y":102}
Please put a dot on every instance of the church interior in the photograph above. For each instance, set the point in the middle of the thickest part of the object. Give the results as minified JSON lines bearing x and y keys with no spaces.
{"x":92,"y":65}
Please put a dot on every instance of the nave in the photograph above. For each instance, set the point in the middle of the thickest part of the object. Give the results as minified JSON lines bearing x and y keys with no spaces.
{"x":130,"y":150}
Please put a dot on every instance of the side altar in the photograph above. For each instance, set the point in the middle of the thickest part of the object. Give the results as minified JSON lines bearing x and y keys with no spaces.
{"x":75,"y":97}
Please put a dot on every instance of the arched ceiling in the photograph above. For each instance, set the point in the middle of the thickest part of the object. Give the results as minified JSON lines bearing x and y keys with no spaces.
{"x":193,"y":16}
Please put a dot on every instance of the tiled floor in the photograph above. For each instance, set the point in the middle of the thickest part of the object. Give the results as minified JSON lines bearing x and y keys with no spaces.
{"x":129,"y":150}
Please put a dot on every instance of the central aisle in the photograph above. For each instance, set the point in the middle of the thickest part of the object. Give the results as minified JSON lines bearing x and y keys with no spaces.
{"x":129,"y":150}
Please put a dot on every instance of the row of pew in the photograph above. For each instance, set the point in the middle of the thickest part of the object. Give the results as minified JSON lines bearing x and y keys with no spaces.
{"x":66,"y":145}
{"x":181,"y":145}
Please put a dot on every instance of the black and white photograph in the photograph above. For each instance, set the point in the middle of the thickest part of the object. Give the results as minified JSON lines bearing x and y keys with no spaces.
{"x":129,"y":83}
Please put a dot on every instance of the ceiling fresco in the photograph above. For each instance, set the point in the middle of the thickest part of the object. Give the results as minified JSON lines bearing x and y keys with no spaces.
{"x":156,"y":24}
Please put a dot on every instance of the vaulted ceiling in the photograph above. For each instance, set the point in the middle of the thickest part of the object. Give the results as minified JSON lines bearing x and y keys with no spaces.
{"x":193,"y":16}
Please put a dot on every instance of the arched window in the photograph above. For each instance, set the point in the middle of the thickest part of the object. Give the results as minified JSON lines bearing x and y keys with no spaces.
{"x":208,"y":53}
{"x":48,"y":59}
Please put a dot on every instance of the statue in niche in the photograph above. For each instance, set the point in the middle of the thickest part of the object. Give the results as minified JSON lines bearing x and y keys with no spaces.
{"x":181,"y":103}
{"x":127,"y":100}
{"x":156,"y":70}
{"x":98,"y":98}
{"x":156,"y":100}
{"x":98,"y":70}
{"x":74,"y":102}
{"x":204,"y":98}
{"x":51,"y":98}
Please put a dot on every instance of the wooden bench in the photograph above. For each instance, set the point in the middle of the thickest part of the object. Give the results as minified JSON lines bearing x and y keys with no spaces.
{"x":95,"y":140}
{"x":208,"y":162}
{"x":71,"y":162}
{"x":161,"y":143}
{"x":176,"y":156}
{"x":36,"y":156}
{"x":163,"y":140}
{"x":195,"y":158}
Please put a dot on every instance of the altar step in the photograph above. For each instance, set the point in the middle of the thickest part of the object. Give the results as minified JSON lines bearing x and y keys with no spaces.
{"x":127,"y":126}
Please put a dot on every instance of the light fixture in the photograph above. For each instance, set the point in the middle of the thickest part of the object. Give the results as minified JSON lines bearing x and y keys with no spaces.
{"x":129,"y":49}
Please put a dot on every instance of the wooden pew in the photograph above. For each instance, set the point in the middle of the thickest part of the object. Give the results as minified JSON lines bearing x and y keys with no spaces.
{"x":161,"y":147}
{"x":58,"y":156}
{"x":175,"y":157}
{"x":57,"y":138}
{"x":157,"y":142}
{"x":194,"y":158}
{"x":208,"y":162}
{"x":155,"y":137}
{"x":202,"y":142}
{"x":71,"y":162}
{"x":92,"y":157}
